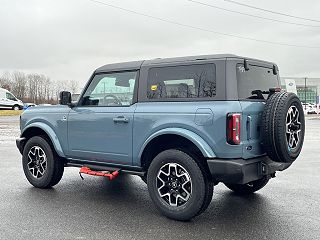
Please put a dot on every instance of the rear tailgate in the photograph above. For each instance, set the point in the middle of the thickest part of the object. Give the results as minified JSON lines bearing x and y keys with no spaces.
{"x":257,"y":76}
{"x":250,"y":128}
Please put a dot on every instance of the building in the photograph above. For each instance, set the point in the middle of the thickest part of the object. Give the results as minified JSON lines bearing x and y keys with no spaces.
{"x":308,"y":89}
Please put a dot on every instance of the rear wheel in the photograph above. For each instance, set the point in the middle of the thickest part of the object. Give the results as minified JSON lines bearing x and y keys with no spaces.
{"x":16,"y":107}
{"x":42,"y":167}
{"x":248,"y":188}
{"x":177,"y":186}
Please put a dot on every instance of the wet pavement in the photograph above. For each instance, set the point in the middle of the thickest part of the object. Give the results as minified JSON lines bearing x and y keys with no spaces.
{"x":9,"y":129}
{"x":94,"y":208}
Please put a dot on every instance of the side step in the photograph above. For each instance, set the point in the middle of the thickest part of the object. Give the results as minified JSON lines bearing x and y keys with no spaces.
{"x":110,"y":175}
{"x":101,"y":166}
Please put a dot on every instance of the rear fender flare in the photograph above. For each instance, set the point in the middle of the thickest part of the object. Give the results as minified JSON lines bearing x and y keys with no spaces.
{"x":203,"y":146}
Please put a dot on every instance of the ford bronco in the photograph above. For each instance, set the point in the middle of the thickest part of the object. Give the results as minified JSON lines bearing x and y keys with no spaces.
{"x":183,"y":124}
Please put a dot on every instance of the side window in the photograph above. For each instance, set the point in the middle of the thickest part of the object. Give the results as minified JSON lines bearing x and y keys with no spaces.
{"x":192,"y":81}
{"x":110,"y":89}
{"x":10,"y":96}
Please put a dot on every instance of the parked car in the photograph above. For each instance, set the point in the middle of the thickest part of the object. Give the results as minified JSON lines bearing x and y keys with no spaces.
{"x":28,"y":105}
{"x":182,"y":124}
{"x":9,"y":101}
{"x":44,"y":105}
{"x":309,"y":108}
{"x":75,"y":97}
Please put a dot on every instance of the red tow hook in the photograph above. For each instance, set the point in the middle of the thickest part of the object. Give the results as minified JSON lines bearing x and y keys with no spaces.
{"x":109,"y":175}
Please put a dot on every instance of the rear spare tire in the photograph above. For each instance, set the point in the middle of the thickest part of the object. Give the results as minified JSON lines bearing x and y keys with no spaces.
{"x":283,"y":127}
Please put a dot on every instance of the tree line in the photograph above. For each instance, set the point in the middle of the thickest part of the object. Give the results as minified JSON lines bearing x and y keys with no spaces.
{"x":34,"y":87}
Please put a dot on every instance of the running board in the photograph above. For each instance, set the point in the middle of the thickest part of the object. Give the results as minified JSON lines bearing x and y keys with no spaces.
{"x":106,"y":167}
{"x":110,"y":175}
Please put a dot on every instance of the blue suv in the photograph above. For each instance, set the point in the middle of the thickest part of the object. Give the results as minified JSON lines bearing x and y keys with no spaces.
{"x":183,"y":124}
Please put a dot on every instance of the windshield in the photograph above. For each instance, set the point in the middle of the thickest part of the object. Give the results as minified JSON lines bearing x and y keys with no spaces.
{"x":256,"y":78}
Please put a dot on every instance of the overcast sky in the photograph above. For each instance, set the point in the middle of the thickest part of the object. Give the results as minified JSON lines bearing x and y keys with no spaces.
{"x":68,"y":39}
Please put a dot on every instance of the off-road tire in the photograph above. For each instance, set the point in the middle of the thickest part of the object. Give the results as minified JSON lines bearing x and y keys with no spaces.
{"x":249,"y":188}
{"x":208,"y":196}
{"x":200,"y":194}
{"x":54,"y":167}
{"x":207,"y":176}
{"x":274,"y":127}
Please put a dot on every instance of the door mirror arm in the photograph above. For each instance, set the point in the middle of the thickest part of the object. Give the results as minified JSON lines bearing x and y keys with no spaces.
{"x":72,"y":104}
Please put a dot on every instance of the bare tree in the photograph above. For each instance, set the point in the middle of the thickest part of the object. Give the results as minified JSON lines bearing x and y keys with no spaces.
{"x":72,"y":86}
{"x":32,"y":85}
{"x":35,"y":87}
{"x":19,"y":83}
{"x":5,"y":80}
{"x":57,"y":87}
{"x":40,"y":88}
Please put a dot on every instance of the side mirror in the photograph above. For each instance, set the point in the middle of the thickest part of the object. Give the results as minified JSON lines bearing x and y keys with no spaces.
{"x":64,"y":98}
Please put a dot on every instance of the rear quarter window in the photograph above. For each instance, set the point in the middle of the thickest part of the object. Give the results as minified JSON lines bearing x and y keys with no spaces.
{"x":256,"y":78}
{"x":182,"y":82}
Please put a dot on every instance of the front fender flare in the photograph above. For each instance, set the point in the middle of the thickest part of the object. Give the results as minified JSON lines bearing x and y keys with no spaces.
{"x":52,"y":135}
{"x":203,"y":146}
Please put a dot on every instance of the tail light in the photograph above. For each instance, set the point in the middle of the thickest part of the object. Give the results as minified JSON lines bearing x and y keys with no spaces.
{"x":233,"y":128}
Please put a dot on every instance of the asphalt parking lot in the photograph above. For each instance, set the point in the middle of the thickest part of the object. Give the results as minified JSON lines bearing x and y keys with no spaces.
{"x":94,"y":208}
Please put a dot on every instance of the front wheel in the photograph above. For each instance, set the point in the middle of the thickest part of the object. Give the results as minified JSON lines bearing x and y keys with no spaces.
{"x":177,"y":185}
{"x":248,"y":188}
{"x":41,"y":166}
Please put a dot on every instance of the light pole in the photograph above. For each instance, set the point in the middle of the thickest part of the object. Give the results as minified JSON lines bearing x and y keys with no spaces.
{"x":305,"y":93}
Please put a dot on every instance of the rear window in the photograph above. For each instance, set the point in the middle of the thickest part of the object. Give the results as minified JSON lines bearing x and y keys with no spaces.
{"x":256,"y":78}
{"x":182,"y":82}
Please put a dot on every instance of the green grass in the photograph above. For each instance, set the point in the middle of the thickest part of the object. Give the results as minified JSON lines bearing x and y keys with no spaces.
{"x":10,"y":113}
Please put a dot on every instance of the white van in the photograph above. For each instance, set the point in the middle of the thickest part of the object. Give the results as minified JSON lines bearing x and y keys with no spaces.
{"x":9,"y":101}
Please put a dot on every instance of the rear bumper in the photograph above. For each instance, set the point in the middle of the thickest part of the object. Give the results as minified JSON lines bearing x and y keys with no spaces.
{"x":241,"y":171}
{"x":20,"y":144}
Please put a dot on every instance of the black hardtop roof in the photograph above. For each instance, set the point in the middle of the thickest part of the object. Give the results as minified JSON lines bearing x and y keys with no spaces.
{"x":133,"y":65}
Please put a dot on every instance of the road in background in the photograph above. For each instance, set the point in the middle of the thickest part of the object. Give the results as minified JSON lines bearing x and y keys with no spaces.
{"x":94,"y":208}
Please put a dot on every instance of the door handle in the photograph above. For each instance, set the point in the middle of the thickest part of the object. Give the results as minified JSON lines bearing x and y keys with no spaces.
{"x":121,"y":119}
{"x":249,"y":127}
